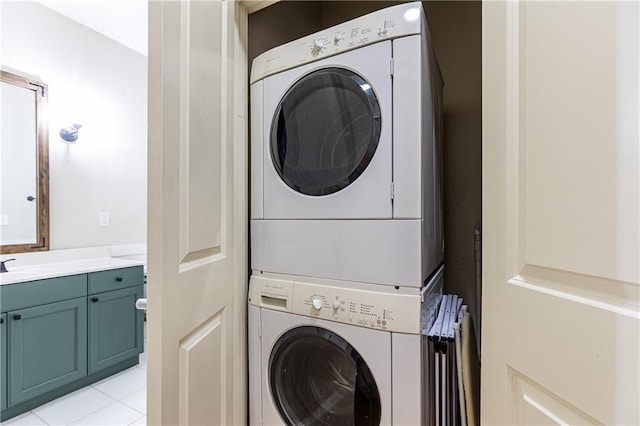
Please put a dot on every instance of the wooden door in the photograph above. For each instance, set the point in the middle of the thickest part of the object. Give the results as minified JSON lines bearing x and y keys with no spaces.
{"x":561,"y":229}
{"x":198,"y":242}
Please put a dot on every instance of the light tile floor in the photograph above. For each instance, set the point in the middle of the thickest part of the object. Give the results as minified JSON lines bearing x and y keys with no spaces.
{"x":115,"y":401}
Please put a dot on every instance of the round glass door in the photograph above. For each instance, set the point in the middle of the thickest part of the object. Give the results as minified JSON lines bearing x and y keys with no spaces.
{"x":317,"y":378}
{"x":325,"y":131}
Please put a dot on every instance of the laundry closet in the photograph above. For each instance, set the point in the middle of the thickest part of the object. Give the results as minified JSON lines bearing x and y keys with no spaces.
{"x":558,"y":142}
{"x":457,"y":41}
{"x":334,"y":266}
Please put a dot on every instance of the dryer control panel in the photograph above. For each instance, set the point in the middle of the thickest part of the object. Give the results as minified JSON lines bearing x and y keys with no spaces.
{"x":365,"y":305}
{"x":392,"y":22}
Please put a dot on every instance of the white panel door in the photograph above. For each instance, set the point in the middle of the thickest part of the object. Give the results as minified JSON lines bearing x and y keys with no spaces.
{"x":561,"y":230}
{"x":197,"y":214}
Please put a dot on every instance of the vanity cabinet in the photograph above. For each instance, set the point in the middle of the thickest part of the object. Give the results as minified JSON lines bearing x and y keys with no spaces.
{"x":115,"y":327}
{"x":61,"y":334}
{"x":3,"y":361}
{"x":47,"y":348}
{"x":115,"y":279}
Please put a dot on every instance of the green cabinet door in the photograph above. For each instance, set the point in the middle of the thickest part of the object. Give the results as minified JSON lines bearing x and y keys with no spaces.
{"x":3,"y":361}
{"x":115,"y":327}
{"x":47,"y":348}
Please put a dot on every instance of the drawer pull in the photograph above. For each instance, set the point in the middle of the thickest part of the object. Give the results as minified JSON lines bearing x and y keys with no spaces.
{"x":119,"y":279}
{"x":94,"y":299}
{"x":17,"y":317}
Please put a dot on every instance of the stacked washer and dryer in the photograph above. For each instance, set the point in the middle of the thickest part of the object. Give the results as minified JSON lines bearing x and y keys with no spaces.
{"x":346,"y":223}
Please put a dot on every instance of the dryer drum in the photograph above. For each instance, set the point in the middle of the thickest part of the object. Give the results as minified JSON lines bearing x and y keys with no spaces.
{"x":325,"y":131}
{"x":317,"y":378}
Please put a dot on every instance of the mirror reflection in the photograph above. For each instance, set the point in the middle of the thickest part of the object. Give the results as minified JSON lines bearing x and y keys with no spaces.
{"x":23,"y":165}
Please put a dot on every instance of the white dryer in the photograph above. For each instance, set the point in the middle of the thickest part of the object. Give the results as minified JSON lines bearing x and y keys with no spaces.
{"x":321,"y":353}
{"x":346,"y":153}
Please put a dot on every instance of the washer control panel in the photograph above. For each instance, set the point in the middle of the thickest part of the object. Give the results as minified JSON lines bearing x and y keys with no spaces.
{"x":392,"y":22}
{"x":371,"y":306}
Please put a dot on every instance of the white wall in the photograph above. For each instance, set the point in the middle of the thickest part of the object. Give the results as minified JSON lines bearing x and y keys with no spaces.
{"x":102,"y":85}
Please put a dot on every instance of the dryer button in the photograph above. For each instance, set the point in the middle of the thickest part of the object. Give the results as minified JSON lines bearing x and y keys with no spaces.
{"x":317,"y":303}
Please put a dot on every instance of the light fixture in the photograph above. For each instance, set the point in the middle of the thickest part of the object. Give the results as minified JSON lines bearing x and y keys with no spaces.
{"x":70,"y":134}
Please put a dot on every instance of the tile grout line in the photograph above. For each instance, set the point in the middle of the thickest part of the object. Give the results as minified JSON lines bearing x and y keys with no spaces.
{"x":102,"y":408}
{"x":133,"y":408}
{"x":39,"y":418}
{"x":104,"y":393}
{"x":93,"y":412}
{"x":137,"y":418}
{"x":125,"y":395}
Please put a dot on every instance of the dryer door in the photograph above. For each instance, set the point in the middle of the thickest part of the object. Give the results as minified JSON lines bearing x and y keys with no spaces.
{"x":318,"y":378}
{"x":326,"y":147}
{"x":325,"y":131}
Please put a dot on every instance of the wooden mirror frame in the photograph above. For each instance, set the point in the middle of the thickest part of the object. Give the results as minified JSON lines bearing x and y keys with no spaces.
{"x":42,"y":164}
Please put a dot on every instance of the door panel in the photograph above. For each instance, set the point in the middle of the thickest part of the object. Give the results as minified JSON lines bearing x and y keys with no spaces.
{"x":47,"y":348}
{"x":198,"y":229}
{"x":115,"y":327}
{"x":561,"y":277}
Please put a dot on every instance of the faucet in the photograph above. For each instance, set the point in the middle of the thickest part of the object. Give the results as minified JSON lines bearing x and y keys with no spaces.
{"x":3,"y":268}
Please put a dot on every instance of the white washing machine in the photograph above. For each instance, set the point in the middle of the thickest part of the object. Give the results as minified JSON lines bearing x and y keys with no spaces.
{"x":346,"y":153}
{"x":321,"y":353}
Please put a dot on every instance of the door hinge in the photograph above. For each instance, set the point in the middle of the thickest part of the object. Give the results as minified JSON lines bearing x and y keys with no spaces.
{"x":392,"y":190}
{"x":391,"y":67}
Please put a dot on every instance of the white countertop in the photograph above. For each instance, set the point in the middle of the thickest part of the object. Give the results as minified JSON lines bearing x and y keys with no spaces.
{"x":18,"y":274}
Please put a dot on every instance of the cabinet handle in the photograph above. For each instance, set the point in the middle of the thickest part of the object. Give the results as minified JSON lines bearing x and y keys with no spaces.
{"x":17,"y":317}
{"x":94,"y":299}
{"x":1,"y":320}
{"x":119,"y":279}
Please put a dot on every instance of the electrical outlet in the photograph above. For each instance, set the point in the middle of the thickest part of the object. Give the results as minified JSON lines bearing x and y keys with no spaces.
{"x":4,"y":220}
{"x":104,"y":219}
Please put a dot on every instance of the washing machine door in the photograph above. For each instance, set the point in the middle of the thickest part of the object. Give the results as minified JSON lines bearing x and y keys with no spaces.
{"x":325,"y":131}
{"x":318,"y":378}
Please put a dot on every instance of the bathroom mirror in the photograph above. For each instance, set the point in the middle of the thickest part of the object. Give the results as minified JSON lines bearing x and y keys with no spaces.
{"x":24,"y":165}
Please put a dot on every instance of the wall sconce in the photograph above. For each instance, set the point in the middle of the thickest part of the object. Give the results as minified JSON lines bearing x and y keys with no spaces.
{"x":70,"y":134}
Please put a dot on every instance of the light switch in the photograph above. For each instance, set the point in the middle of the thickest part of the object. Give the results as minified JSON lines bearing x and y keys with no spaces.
{"x":104,"y":219}
{"x":4,"y":220}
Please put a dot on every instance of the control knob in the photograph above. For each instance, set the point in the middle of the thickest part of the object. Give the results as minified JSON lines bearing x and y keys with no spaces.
{"x":337,"y":37}
{"x":336,"y":305}
{"x":317,"y":303}
{"x":316,"y":46}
